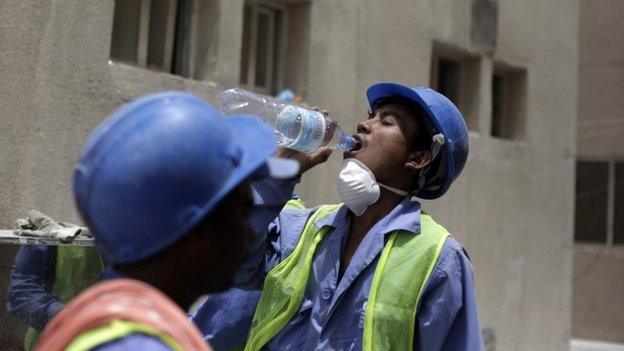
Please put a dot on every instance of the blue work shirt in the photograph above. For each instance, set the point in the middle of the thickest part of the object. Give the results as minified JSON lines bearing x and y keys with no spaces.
{"x":331,"y":315}
{"x":29,"y":296}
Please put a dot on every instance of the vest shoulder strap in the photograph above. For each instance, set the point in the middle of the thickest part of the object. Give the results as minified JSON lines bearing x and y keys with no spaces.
{"x":402,"y":272}
{"x":285,"y":284}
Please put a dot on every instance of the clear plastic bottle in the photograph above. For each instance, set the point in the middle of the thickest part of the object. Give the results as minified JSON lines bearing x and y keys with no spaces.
{"x":296,"y":127}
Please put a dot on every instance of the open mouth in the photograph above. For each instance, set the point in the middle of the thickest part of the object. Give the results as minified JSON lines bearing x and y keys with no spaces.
{"x":358,"y":146}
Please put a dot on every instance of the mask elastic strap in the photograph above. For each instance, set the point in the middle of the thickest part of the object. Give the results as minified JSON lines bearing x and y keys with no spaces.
{"x":394,"y":190}
{"x":437,"y":141}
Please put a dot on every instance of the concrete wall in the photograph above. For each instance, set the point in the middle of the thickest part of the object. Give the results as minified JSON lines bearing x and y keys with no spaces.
{"x":598,"y":311}
{"x":512,"y":207}
{"x":601,"y":80}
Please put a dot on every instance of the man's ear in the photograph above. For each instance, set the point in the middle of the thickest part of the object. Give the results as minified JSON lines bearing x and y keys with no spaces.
{"x":417,"y":160}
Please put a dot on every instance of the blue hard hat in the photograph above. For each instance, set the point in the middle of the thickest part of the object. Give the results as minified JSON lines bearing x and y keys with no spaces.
{"x":159,"y":165}
{"x":442,"y":117}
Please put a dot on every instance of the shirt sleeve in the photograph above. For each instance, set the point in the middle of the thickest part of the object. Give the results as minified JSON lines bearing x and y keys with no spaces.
{"x":448,"y":318}
{"x":224,"y":319}
{"x":270,"y":196}
{"x":29,"y":296}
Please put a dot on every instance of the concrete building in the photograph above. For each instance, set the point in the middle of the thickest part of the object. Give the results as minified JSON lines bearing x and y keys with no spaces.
{"x":598,"y":279}
{"x":511,"y":66}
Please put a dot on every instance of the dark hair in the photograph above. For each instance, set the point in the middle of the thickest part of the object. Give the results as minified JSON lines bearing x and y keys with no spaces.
{"x":422,"y":141}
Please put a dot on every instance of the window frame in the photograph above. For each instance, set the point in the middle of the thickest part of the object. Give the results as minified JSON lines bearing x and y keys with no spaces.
{"x":511,"y":120}
{"x":611,"y":206}
{"x":276,"y":49}
{"x":143,"y":23}
{"x":469,"y":79}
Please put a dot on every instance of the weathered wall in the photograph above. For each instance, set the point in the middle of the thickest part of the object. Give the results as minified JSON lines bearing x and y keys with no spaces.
{"x":598,"y":311}
{"x":601,"y":80}
{"x":512,"y":207}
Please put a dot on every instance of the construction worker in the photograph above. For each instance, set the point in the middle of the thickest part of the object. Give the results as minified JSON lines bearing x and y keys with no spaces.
{"x":375,"y":272}
{"x":44,"y":278}
{"x":164,"y":185}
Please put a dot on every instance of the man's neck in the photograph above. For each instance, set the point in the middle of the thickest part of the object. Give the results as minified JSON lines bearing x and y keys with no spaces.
{"x":362,"y":224}
{"x":375,"y":212}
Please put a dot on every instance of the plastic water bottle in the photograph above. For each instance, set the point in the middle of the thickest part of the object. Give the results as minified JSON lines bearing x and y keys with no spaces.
{"x":296,"y":127}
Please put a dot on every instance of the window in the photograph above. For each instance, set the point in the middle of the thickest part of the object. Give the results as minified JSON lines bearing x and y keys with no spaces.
{"x":618,"y":215}
{"x":508,"y":102}
{"x":263,"y":38}
{"x":448,"y":79}
{"x":455,"y":74}
{"x":600,"y":202}
{"x":151,"y":34}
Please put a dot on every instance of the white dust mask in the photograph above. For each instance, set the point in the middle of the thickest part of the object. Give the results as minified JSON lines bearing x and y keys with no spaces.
{"x":358,"y":188}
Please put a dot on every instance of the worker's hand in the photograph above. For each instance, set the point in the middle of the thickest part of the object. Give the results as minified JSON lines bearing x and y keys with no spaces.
{"x":311,"y":159}
{"x":306,"y":161}
{"x":40,"y":225}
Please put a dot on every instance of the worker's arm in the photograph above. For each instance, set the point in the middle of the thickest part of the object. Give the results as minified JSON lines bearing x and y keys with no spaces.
{"x":270,"y":197}
{"x":30,"y":296}
{"x":275,"y":239}
{"x":448,"y":318}
{"x":225,"y":318}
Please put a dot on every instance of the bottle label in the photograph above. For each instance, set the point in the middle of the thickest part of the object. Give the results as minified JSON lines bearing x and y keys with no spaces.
{"x":312,"y":131}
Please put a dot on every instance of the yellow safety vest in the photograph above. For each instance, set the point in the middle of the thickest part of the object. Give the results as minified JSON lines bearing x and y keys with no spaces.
{"x":77,"y":268}
{"x":404,"y":268}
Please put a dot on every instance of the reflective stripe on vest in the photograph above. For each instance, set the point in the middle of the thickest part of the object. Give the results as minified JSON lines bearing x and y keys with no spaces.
{"x":402,"y":272}
{"x":295,"y":204}
{"x":116,"y":330}
{"x":404,"y":267}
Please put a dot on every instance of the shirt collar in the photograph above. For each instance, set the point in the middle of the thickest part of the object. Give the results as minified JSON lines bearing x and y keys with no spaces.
{"x":334,"y":219}
{"x":405,"y":216}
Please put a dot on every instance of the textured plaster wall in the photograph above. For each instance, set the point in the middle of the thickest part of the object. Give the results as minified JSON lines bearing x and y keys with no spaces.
{"x":512,"y":207}
{"x":601,"y":80}
{"x":597,"y":309}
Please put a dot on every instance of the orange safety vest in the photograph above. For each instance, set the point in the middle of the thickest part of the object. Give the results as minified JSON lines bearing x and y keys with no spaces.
{"x":94,"y":317}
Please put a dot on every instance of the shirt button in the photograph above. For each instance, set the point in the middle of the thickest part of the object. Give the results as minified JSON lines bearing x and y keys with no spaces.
{"x":326,"y":294}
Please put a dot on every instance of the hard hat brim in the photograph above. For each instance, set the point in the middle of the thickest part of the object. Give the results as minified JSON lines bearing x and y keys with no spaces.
{"x":257,"y":142}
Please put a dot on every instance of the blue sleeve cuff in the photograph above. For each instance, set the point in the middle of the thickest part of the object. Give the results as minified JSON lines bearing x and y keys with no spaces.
{"x":54,"y":309}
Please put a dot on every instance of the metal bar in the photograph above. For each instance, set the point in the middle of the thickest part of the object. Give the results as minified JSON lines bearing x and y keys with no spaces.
{"x":8,"y":238}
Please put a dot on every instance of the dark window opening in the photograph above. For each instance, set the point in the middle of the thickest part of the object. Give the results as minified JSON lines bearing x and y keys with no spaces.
{"x":591,"y":201}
